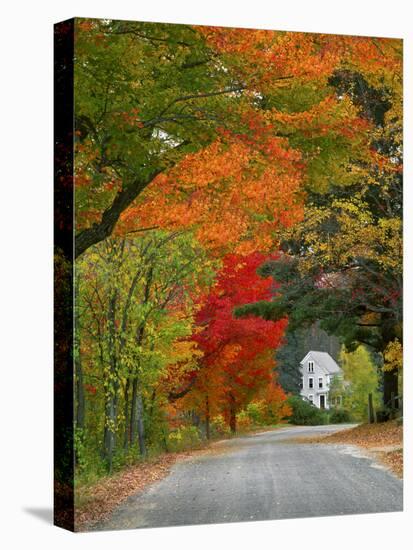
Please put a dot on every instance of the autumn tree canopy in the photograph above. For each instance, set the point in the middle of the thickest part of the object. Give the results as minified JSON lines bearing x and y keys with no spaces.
{"x":237,"y":353}
{"x":230,"y":185}
{"x":157,"y":100}
{"x":343,"y":262}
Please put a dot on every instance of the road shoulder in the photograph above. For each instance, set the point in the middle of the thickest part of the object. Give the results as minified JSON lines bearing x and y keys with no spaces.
{"x":382,"y":442}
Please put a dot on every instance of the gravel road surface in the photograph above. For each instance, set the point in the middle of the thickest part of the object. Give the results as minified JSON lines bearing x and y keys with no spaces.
{"x":264,"y":476}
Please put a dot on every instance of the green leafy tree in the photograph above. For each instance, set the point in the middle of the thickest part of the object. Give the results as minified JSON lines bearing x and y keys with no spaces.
{"x":135,"y":301}
{"x":360,"y":377}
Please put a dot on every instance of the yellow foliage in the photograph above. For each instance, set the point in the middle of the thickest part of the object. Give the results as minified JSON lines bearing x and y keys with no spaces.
{"x":393,"y":356}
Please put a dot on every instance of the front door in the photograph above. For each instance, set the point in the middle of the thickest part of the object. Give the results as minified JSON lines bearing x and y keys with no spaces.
{"x":322,"y":401}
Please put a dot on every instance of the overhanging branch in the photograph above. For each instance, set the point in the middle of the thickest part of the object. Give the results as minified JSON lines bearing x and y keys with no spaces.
{"x":124,"y":198}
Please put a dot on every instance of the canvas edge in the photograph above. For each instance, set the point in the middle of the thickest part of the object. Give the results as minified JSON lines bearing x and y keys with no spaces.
{"x":63,"y":275}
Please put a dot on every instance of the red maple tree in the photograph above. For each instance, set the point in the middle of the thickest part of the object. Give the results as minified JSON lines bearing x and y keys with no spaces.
{"x":238,"y":353}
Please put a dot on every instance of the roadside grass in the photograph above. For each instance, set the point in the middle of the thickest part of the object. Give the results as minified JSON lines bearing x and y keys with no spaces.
{"x":383,"y":440}
{"x":95,"y":499}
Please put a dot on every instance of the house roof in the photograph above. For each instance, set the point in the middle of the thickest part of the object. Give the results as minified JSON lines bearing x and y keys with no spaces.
{"x":324,"y":360}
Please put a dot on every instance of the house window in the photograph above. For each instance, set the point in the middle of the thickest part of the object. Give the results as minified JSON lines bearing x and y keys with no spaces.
{"x":311,"y":366}
{"x":311,"y":382}
{"x":311,"y":398}
{"x":320,"y":382}
{"x":301,"y":383}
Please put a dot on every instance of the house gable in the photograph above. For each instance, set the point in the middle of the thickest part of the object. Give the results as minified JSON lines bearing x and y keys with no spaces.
{"x":310,"y":357}
{"x":323,"y":360}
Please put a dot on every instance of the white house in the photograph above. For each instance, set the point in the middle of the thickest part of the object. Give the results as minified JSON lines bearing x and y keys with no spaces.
{"x":318,"y":368}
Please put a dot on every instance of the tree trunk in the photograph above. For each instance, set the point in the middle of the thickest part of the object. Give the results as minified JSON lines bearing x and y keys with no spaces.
{"x":371,"y":409}
{"x":101,"y":230}
{"x":153,"y":397}
{"x":141,"y":427}
{"x":195,"y":419}
{"x":137,"y":425}
{"x":80,"y":395}
{"x":207,"y":418}
{"x":133,"y":409}
{"x":109,"y":435}
{"x":232,"y":415}
{"x":126,"y":414}
{"x":390,"y":385}
{"x":390,"y":378}
{"x":113,"y":383}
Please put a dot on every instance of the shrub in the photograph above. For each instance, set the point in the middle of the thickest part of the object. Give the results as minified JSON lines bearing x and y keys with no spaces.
{"x":256,"y":412}
{"x":262,"y":413}
{"x":218,"y":426}
{"x":339,"y":416}
{"x":244,"y":420}
{"x":185,"y":437}
{"x":276,"y":407}
{"x":305,"y":414}
{"x":277,"y":412}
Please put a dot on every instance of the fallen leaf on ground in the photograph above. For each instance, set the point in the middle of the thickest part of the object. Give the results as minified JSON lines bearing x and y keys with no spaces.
{"x":385,"y":440}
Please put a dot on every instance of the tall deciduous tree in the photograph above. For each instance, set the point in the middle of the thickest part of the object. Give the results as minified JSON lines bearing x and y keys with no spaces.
{"x":238,"y":353}
{"x":135,"y":304}
{"x":360,"y":378}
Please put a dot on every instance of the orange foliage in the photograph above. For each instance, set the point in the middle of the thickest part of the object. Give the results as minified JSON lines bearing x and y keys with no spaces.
{"x":275,"y":402}
{"x":267,"y":58}
{"x":240,"y":189}
{"x":235,"y":193}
